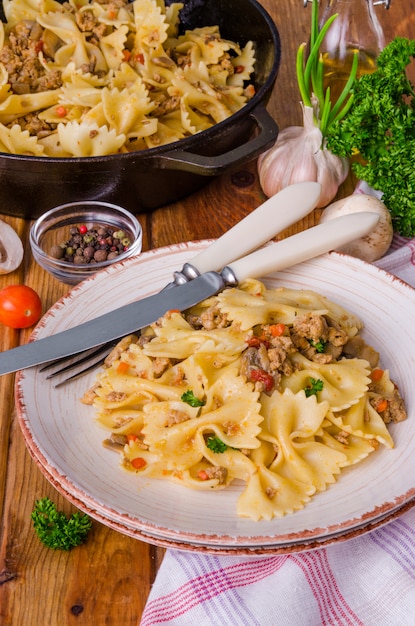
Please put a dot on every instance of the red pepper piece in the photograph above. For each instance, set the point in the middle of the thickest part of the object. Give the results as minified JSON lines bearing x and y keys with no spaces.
{"x":261,"y":376}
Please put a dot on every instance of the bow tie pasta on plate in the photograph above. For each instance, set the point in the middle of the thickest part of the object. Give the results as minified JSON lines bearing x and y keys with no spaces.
{"x":271,"y":388}
{"x":92,"y":79}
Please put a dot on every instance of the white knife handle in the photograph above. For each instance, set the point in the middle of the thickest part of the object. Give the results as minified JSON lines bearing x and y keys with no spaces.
{"x":303,"y":246}
{"x":280,"y":211}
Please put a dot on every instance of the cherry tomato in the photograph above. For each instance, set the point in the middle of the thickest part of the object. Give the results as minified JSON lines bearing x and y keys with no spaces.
{"x":20,"y":306}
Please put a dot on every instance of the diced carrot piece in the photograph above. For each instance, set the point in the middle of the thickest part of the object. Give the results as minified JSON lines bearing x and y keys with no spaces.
{"x":376,"y":374}
{"x":382,"y":405}
{"x":122,"y":367}
{"x":138,"y":462}
{"x":277,"y":329}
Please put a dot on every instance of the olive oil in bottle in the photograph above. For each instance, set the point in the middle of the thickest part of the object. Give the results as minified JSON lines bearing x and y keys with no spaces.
{"x":355,"y":29}
{"x":337,"y":70}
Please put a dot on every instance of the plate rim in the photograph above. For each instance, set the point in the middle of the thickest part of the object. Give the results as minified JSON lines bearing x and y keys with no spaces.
{"x":169,"y":538}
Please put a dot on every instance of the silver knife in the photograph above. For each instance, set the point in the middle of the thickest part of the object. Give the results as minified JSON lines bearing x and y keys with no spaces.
{"x":131,"y":317}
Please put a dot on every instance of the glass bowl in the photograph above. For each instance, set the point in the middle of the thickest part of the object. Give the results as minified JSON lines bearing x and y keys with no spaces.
{"x":60,"y":237}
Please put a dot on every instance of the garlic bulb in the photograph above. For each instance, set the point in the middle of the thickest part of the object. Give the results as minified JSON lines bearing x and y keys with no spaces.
{"x":11,"y":249}
{"x":299,"y":156}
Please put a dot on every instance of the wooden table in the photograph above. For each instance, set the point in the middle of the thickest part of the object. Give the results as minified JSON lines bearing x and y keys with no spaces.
{"x":107,"y":580}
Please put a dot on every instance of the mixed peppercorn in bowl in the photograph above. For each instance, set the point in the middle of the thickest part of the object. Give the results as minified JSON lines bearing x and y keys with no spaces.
{"x":73,"y":241}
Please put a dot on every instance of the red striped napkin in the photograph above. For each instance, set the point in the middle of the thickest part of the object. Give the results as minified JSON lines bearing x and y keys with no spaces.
{"x":367,"y":581}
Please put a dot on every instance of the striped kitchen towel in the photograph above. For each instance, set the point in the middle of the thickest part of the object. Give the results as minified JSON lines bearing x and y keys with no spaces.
{"x":366,"y":581}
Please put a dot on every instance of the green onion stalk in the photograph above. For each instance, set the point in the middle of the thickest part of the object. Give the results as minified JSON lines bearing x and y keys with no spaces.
{"x":300,"y":152}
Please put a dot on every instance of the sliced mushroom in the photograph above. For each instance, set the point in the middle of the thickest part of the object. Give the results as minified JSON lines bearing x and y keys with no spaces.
{"x":51,"y":43}
{"x":373,"y":246}
{"x":11,"y":249}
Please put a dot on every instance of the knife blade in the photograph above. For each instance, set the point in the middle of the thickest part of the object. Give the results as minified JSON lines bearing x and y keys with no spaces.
{"x":131,"y":317}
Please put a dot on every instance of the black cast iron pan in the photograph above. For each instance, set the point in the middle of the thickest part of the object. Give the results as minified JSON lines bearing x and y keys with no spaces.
{"x":144,"y":180}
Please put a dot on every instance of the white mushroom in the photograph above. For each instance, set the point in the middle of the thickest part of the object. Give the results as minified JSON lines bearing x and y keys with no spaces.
{"x":11,"y":249}
{"x":374,"y":245}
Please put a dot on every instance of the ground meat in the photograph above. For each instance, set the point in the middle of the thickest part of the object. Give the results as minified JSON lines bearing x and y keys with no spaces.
{"x":90,"y":395}
{"x":121,"y":421}
{"x":20,"y":58}
{"x":209,"y":319}
{"x":395,"y":411}
{"x":167,"y":106}
{"x":270,"y":492}
{"x":176,"y":417}
{"x":159,"y":365}
{"x":220,"y":473}
{"x":51,"y":80}
{"x":231,"y":428}
{"x":183,"y":60}
{"x":343,"y":437}
{"x":311,"y":326}
{"x":115,"y":396}
{"x":309,"y":351}
{"x":34,"y":125}
{"x":278,"y":352}
{"x":121,"y":347}
{"x":88,"y":24}
{"x":318,"y":338}
{"x":86,"y":21}
{"x":118,"y":439}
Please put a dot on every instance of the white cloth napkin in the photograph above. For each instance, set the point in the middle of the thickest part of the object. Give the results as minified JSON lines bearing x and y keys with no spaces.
{"x":365,"y":581}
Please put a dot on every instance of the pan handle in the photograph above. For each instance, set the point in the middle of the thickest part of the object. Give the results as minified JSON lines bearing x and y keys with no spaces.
{"x":214,"y":165}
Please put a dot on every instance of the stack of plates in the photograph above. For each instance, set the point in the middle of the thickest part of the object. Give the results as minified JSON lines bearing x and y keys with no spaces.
{"x":66,"y":442}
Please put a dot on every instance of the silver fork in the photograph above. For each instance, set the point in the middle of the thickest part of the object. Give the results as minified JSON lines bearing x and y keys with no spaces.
{"x":265,"y":222}
{"x":93,"y":357}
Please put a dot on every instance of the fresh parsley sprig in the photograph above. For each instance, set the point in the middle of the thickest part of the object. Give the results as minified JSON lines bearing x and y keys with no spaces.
{"x":190,"y":398}
{"x":314,"y":386}
{"x":214,"y":443}
{"x":379,"y":129}
{"x":319,"y":345}
{"x":55,"y":530}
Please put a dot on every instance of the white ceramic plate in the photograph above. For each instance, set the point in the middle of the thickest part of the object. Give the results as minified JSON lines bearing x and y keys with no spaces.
{"x":66,"y":442}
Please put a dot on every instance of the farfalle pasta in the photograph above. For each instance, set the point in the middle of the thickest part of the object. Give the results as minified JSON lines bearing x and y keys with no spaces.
{"x":95,"y":78}
{"x":271,"y":389}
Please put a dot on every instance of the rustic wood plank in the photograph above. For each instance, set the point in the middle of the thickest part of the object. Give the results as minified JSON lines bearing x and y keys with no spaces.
{"x":107,"y":581}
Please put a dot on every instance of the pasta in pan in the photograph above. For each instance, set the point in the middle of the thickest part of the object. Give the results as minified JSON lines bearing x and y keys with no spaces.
{"x":274,"y":390}
{"x":88,"y":78}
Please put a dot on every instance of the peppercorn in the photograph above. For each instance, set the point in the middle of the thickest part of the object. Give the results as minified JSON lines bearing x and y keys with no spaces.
{"x":91,"y":244}
{"x":57,"y":252}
